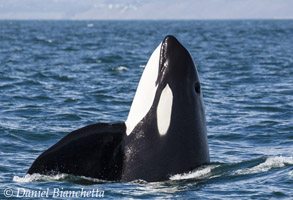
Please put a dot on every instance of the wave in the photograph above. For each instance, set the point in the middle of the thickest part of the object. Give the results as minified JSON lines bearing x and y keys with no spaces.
{"x":41,"y":39}
{"x":120,"y":68}
{"x":39,"y":177}
{"x":210,"y":171}
{"x":58,"y":177}
{"x":270,"y":163}
{"x":204,"y":172}
{"x":200,"y":173}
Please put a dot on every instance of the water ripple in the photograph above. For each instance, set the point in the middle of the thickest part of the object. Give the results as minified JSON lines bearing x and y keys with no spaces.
{"x":56,"y":77}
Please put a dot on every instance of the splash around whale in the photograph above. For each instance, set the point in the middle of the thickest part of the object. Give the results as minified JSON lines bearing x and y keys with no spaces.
{"x":164,"y":134}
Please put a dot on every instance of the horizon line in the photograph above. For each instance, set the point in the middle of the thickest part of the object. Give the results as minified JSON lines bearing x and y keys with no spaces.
{"x":191,"y":19}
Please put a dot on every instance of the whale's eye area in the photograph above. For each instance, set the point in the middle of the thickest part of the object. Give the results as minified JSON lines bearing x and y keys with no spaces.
{"x":197,"y":87}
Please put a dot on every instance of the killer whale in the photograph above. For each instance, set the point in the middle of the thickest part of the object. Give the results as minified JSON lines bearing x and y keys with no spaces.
{"x":164,"y":134}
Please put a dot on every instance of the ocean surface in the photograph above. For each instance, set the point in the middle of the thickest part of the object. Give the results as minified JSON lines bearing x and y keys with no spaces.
{"x":58,"y":76}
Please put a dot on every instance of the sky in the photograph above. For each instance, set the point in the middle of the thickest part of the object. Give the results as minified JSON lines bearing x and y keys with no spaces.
{"x":146,"y":9}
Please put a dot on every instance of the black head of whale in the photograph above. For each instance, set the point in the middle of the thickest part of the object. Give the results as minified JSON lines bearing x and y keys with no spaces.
{"x":164,"y":134}
{"x":171,"y":137}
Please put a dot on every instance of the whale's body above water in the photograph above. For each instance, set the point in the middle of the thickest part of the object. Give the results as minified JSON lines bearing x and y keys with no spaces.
{"x":164,"y":134}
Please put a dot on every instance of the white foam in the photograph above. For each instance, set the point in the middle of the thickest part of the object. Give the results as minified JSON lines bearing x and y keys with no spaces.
{"x":270,"y":163}
{"x":58,"y":177}
{"x":164,"y":110}
{"x":145,"y":92}
{"x":39,"y":177}
{"x":120,"y":68}
{"x":199,"y":173}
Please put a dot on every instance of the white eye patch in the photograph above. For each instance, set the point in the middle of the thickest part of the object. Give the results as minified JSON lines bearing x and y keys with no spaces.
{"x":164,"y":110}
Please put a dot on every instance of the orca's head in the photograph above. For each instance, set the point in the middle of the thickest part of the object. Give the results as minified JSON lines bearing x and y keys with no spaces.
{"x":176,"y":67}
{"x":169,"y":88}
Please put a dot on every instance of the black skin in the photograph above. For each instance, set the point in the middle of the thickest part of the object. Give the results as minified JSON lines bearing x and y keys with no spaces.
{"x":184,"y":147}
{"x":95,"y":151}
{"x":104,"y":151}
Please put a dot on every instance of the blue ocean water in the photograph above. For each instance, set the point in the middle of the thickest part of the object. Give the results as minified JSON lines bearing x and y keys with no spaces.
{"x":58,"y":76}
